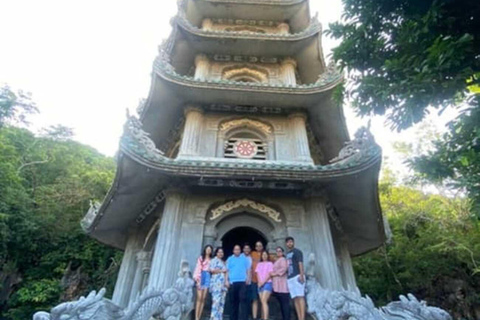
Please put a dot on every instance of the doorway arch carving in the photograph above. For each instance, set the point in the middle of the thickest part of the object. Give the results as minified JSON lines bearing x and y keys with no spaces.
{"x":267,"y":220}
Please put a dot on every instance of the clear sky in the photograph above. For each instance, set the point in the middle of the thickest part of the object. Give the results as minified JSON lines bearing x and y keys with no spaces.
{"x":86,"y":62}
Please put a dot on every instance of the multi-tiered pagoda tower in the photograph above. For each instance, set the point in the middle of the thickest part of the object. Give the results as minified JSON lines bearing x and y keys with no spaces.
{"x":240,"y":139}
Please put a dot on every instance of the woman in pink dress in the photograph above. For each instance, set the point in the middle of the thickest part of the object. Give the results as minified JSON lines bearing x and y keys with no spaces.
{"x":201,"y":275}
{"x":280,"y":288}
{"x":265,"y":288}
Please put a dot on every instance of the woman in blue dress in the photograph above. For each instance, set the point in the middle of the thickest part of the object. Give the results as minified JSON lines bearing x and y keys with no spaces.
{"x":218,"y":284}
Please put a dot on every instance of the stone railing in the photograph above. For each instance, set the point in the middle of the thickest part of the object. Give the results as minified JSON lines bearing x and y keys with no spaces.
{"x":172,"y":304}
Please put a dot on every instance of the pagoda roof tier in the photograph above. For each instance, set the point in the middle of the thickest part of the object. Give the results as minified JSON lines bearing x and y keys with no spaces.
{"x":186,"y":43}
{"x":314,"y":28}
{"x":350,"y":183}
{"x":295,"y":12}
{"x":170,"y":92}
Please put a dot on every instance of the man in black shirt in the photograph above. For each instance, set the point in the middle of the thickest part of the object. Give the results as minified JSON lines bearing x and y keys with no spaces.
{"x":296,"y":277}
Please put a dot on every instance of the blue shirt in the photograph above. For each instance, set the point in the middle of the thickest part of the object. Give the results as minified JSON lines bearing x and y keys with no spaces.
{"x":237,"y":268}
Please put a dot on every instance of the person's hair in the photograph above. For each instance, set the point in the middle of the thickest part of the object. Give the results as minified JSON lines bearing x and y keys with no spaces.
{"x":218,"y":249}
{"x":247,"y":244}
{"x":283,"y":251}
{"x":204,"y":252}
{"x":237,"y":245}
{"x":261,"y":256}
{"x":259,"y":242}
{"x":289,"y":238}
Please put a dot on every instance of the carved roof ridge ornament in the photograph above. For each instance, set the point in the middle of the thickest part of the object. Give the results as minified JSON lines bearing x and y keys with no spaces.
{"x":245,"y":122}
{"x":133,"y":128}
{"x":358,"y":148}
{"x":91,"y":215}
{"x":231,"y":205}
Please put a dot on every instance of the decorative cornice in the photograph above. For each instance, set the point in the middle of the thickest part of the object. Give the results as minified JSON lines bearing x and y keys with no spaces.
{"x":326,"y":81}
{"x":232,"y":205}
{"x":315,"y":27}
{"x":134,"y":145}
{"x":260,"y":2}
{"x":245,"y":122}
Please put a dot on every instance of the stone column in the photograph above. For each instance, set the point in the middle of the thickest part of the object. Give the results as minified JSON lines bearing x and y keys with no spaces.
{"x":299,"y":130}
{"x":192,"y":132}
{"x":164,"y":262}
{"x":347,"y":268}
{"x":207,"y":25}
{"x":143,"y":261}
{"x":284,"y":28}
{"x":202,"y":65}
{"x":121,"y":294}
{"x":288,"y":70}
{"x":327,"y":270}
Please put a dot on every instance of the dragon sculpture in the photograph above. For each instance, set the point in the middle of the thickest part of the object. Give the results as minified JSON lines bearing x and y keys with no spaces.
{"x":170,"y":304}
{"x":177,"y":302}
{"x":326,"y":304}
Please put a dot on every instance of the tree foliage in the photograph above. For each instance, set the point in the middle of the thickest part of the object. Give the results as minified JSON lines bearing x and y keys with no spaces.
{"x":434,"y":253}
{"x":46,"y":183}
{"x":15,"y":106}
{"x":405,"y":57}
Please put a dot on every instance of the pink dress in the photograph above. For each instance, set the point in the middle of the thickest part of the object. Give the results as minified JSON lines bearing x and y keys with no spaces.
{"x":263,"y":271}
{"x":280,"y":268}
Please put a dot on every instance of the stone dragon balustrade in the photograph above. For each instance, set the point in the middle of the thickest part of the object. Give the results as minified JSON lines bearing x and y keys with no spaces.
{"x":177,"y":302}
{"x":170,"y":304}
{"x":325,"y":304}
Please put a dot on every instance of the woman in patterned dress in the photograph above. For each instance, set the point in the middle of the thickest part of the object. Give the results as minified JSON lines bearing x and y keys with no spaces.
{"x":218,"y":284}
{"x":202,"y":279}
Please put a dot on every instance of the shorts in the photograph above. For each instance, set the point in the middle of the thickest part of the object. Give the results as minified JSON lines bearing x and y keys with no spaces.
{"x":252,"y":292}
{"x":296,"y":288}
{"x":204,"y":280}
{"x":266,"y":287}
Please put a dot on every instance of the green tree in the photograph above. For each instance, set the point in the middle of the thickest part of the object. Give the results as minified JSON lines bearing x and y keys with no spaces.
{"x":15,"y":106}
{"x":406,"y":57}
{"x":434,"y":253}
{"x":46,"y":184}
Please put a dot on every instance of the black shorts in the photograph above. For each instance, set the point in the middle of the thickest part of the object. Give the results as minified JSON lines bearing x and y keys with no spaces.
{"x":252,"y":292}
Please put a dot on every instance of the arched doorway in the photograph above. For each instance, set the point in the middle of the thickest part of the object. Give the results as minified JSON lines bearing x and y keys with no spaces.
{"x":241,"y":235}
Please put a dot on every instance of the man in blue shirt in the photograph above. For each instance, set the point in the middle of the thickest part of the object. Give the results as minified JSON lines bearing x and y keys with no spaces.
{"x":238,"y":267}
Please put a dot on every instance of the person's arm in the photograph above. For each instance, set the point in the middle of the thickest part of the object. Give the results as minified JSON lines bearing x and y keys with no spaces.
{"x":198,"y":270}
{"x":302,"y":272}
{"x":300,"y":266}
{"x":259,"y":282}
{"x":227,"y":282}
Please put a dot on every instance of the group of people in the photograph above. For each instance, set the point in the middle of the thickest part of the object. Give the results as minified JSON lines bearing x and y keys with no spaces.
{"x":250,"y":277}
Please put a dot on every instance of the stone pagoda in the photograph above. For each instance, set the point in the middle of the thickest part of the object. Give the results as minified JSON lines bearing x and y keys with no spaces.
{"x":240,"y":140}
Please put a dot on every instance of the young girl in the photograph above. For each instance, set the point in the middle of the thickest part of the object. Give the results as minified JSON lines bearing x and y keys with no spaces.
{"x":218,"y":284}
{"x":263,"y":270}
{"x":202,"y":278}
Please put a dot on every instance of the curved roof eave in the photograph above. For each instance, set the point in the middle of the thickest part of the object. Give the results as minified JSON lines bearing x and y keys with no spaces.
{"x":312,"y":30}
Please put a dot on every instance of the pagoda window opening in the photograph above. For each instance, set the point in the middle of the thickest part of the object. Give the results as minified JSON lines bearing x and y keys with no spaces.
{"x":245,"y":74}
{"x":245,"y":145}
